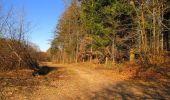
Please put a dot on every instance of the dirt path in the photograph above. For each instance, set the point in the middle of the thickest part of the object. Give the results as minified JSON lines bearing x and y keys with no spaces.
{"x":73,"y":82}
{"x":80,"y":83}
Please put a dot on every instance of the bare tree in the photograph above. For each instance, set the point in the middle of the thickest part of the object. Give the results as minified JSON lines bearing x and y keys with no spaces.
{"x":16,"y":51}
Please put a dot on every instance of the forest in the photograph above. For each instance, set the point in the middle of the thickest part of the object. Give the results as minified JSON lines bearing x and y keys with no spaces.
{"x":120,"y":48}
{"x":112,"y":31}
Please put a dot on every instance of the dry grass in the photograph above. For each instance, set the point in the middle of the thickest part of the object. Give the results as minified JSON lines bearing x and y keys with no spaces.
{"x":83,"y":81}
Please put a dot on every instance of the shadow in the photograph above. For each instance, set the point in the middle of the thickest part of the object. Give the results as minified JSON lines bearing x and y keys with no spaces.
{"x":44,"y":70}
{"x":133,"y":90}
{"x":154,"y":72}
{"x":165,"y":70}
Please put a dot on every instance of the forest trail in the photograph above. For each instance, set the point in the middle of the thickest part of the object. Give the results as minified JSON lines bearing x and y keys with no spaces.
{"x":76,"y":82}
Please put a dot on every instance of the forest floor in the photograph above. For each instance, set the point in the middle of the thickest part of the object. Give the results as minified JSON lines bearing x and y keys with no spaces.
{"x":79,"y":82}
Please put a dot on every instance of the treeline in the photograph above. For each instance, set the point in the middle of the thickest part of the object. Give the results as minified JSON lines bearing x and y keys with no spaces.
{"x":113,"y":31}
{"x":15,"y":50}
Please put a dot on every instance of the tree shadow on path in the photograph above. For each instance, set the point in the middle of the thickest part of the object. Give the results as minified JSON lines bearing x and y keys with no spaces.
{"x":134,"y":90}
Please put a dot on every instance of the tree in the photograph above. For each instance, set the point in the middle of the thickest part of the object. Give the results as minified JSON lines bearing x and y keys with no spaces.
{"x":150,"y":24}
{"x":68,"y":34}
{"x":114,"y":30}
{"x":16,"y":51}
{"x":111,"y":25}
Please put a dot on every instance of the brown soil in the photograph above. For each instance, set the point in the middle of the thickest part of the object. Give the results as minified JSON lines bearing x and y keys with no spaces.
{"x":76,"y":82}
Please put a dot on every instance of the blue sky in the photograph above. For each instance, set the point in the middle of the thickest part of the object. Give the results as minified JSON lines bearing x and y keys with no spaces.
{"x":43,"y":15}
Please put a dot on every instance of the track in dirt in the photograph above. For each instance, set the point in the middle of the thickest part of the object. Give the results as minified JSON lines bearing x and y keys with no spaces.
{"x":74,"y":82}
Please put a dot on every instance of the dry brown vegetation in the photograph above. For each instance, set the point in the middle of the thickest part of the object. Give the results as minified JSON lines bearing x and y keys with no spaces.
{"x":15,"y":50}
{"x":104,"y":50}
{"x":81,"y":82}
